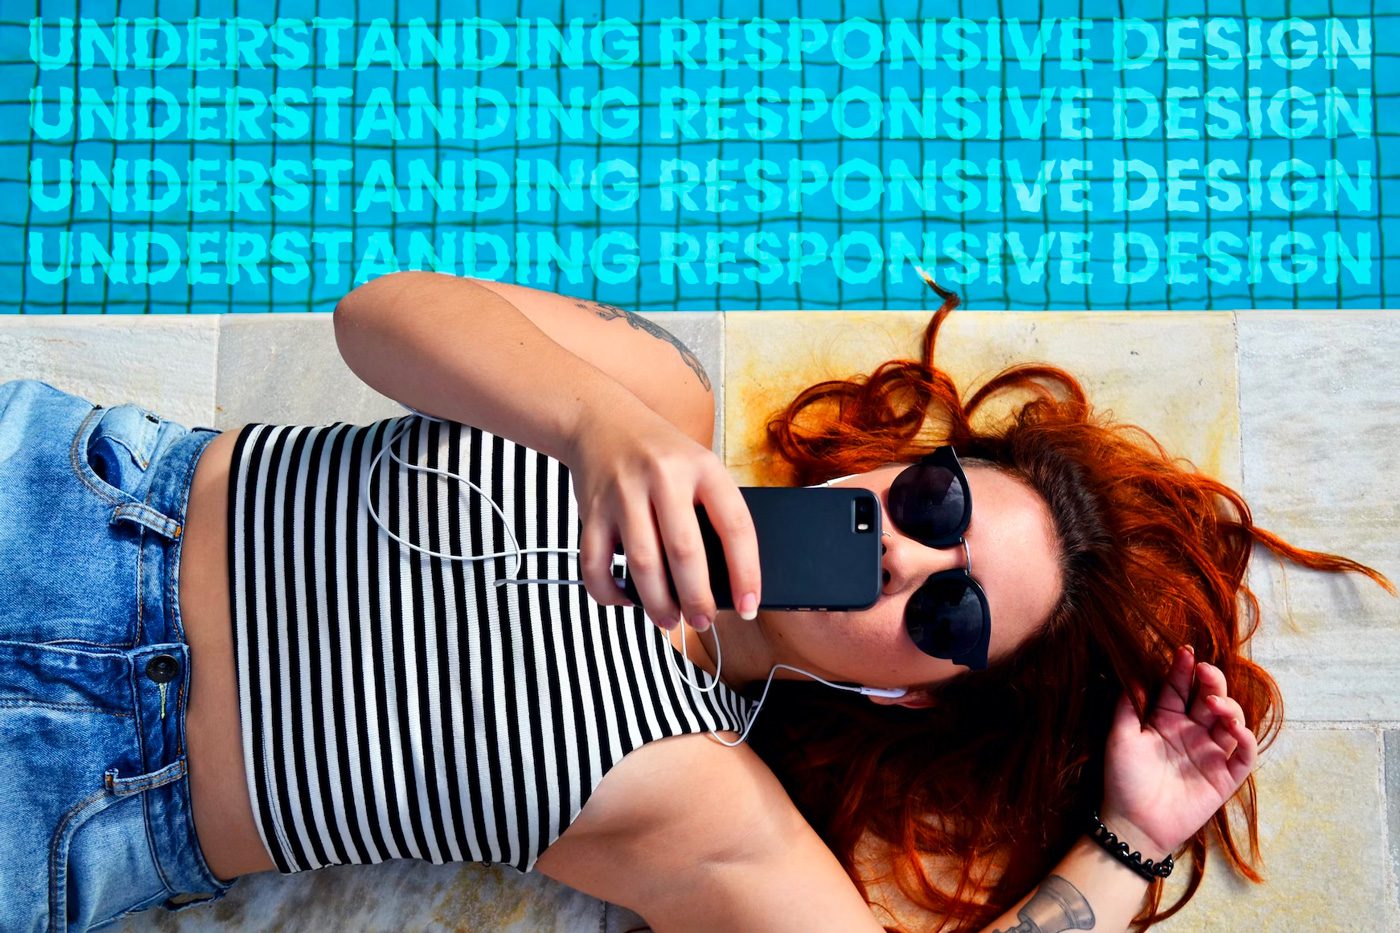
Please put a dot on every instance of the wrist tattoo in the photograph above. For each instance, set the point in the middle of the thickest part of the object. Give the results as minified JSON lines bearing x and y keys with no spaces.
{"x":1055,"y":906}
{"x":637,"y":322}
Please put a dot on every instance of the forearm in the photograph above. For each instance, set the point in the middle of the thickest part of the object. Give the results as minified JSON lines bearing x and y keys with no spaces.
{"x":454,"y":349}
{"x":1087,"y":890}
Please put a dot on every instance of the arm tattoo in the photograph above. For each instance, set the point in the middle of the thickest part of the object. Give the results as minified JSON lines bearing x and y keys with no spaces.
{"x":637,"y":322}
{"x":1055,"y":906}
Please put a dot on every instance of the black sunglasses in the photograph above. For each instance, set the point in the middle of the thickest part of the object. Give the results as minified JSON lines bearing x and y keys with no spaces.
{"x":948,"y":616}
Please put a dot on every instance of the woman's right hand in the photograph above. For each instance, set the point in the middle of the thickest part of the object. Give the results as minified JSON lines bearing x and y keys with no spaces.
{"x":637,"y":479}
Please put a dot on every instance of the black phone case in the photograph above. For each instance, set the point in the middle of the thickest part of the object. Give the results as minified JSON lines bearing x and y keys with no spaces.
{"x":811,"y":553}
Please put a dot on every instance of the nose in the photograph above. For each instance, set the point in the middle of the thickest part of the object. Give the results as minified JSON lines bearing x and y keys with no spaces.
{"x":908,"y":563}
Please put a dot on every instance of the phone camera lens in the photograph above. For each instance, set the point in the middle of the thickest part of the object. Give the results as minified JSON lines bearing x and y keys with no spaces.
{"x":865,"y":515}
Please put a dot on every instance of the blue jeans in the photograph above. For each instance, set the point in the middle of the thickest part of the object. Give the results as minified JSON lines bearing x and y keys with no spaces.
{"x":96,"y":819}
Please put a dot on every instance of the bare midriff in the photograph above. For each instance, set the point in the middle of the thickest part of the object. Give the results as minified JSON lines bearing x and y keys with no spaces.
{"x":223,"y":812}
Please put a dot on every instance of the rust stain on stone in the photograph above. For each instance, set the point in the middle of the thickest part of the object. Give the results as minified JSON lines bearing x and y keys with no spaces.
{"x":483,"y":898}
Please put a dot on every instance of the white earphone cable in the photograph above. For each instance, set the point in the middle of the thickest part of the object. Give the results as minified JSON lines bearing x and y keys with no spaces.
{"x":517,"y":552}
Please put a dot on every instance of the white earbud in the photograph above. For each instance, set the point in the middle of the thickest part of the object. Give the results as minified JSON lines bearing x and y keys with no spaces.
{"x":830,"y":481}
{"x":889,"y":693}
{"x":892,"y":693}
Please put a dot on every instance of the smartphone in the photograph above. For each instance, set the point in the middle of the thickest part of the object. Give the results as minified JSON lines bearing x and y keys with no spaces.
{"x":818,"y":549}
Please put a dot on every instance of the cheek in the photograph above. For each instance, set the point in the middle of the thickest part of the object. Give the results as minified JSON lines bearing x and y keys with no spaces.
{"x":845,"y":636}
{"x":1007,"y":638}
{"x":879,"y":634}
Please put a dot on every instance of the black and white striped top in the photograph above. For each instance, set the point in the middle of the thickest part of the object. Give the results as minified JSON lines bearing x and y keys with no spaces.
{"x":397,"y":705}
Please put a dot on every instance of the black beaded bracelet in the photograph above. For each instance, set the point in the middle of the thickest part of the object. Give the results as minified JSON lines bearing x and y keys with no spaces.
{"x":1120,"y":850}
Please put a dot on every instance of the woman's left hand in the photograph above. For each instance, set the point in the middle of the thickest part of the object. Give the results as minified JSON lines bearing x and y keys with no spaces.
{"x":1164,"y":778}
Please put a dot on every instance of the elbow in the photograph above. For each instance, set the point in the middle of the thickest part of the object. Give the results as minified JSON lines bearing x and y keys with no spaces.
{"x":342,"y":325}
{"x":372,"y":293}
{"x":386,"y":293}
{"x":354,"y":321}
{"x":375,"y":300}
{"x":382,"y":309}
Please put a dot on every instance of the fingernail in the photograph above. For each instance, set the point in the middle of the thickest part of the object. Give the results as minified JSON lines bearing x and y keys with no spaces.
{"x":748,"y":607}
{"x":699,"y":623}
{"x":668,"y":622}
{"x":1190,"y":649}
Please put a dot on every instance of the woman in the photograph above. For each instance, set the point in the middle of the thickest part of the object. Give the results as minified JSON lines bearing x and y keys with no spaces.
{"x":425,"y":692}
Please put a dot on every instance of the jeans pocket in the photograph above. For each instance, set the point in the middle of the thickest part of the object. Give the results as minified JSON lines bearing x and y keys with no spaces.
{"x":119,"y":450}
{"x":102,"y":865}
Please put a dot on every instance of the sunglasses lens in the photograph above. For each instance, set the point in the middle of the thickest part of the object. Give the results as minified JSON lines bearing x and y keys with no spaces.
{"x":945,"y":616}
{"x":929,"y":504}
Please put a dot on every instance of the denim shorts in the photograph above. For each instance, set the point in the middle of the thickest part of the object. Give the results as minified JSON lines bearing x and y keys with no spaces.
{"x":96,"y":819}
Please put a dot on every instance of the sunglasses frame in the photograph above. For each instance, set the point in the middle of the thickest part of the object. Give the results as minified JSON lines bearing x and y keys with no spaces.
{"x":947,"y":458}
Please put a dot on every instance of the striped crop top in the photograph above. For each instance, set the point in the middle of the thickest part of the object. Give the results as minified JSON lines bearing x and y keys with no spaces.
{"x":398,"y":705}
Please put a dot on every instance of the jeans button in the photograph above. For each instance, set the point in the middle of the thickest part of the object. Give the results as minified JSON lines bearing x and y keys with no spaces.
{"x":163,"y":668}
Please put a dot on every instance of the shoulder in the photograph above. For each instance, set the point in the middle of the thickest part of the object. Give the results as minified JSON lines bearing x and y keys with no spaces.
{"x":708,"y":839}
{"x":664,"y":809}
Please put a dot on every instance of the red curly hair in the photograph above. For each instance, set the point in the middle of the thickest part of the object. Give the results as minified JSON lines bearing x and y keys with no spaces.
{"x":998,"y":776}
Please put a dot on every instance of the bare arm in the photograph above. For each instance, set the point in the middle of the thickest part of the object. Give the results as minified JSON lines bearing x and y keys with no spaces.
{"x":622,"y":343}
{"x":696,"y":836}
{"x":1088,"y":890}
{"x":799,"y":885}
{"x":1164,"y":777}
{"x":454,"y":349}
{"x":793,"y":883}
{"x":612,"y":402}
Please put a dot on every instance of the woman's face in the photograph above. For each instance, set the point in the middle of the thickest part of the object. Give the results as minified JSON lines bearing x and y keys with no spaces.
{"x":1014,"y":558}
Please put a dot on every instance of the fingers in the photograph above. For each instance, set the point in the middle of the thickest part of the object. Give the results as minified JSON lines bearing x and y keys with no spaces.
{"x":1220,"y":713}
{"x":1210,"y":681}
{"x":1232,"y":734}
{"x":1224,"y":738}
{"x":1214,"y":709}
{"x":728,"y":512}
{"x":1212,"y":742}
{"x":686,"y":557}
{"x":596,"y":543}
{"x":653,"y":497}
{"x":1246,"y":749}
{"x":1176,"y":692}
{"x":640,"y":543}
{"x":1125,"y":718}
{"x":646,"y":561}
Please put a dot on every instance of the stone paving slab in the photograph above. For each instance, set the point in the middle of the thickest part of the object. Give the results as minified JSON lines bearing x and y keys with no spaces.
{"x":1321,"y":825}
{"x":1320,"y":421}
{"x":1173,"y":374}
{"x":166,"y":364}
